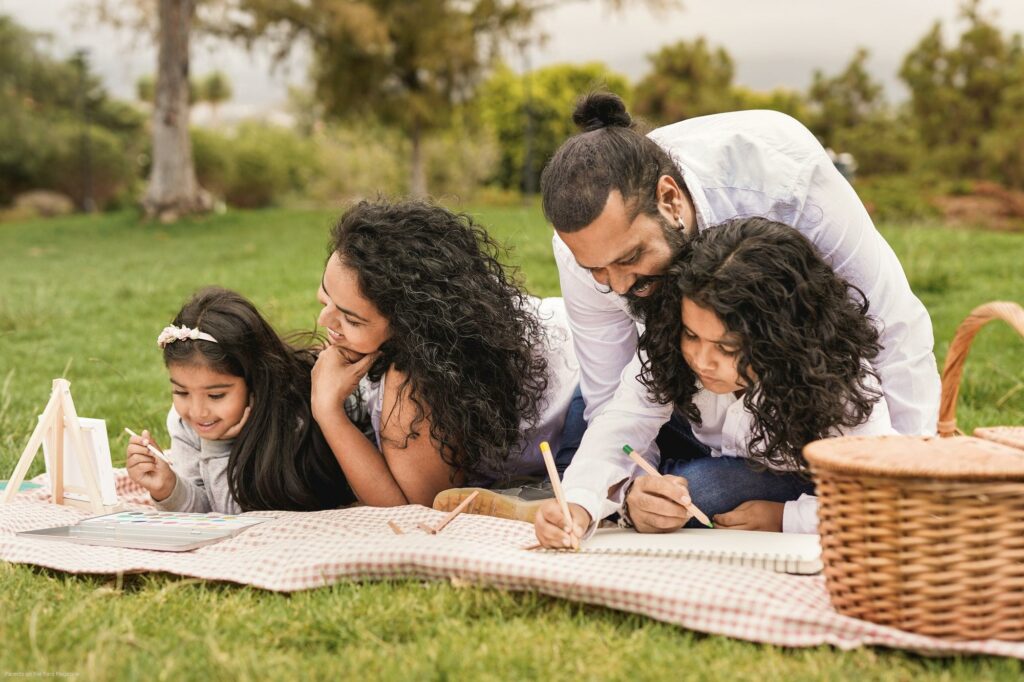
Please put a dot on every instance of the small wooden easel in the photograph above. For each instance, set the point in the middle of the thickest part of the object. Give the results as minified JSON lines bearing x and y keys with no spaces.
{"x":59,"y":415}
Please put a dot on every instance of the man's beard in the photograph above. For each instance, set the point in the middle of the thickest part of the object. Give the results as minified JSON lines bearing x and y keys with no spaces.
{"x":676,"y":240}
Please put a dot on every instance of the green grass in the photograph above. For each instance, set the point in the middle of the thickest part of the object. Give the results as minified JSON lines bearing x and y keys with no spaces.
{"x":85,"y":297}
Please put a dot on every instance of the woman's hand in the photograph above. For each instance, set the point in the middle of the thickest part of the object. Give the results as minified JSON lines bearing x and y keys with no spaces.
{"x":147,"y":470}
{"x":550,"y":526}
{"x":753,"y":515}
{"x":335,"y":375}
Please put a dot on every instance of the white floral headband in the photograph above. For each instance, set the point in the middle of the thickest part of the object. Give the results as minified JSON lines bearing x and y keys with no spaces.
{"x":171,"y":334}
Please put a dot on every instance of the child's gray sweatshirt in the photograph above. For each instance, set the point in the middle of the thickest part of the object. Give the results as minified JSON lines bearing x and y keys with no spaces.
{"x":201,"y":468}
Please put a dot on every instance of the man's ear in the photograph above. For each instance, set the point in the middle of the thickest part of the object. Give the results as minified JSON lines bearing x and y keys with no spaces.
{"x":671,"y":198}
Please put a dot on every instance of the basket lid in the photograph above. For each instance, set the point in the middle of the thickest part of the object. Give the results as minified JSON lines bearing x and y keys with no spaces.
{"x":1007,"y":435}
{"x":962,"y":458}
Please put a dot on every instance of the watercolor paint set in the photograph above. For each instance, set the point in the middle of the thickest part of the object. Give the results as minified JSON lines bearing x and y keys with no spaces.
{"x":150,"y":529}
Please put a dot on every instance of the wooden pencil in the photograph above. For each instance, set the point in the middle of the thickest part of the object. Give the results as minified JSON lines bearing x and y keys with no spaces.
{"x":556,"y":485}
{"x":651,"y":471}
{"x":149,"y":446}
{"x":455,"y":512}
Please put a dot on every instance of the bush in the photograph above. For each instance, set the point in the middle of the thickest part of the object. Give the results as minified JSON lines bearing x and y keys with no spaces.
{"x":881,"y":145}
{"x":459,"y":162}
{"x":110,"y":173}
{"x":254,"y":166}
{"x":899,"y":198}
{"x":211,"y":153}
{"x":359,"y":160}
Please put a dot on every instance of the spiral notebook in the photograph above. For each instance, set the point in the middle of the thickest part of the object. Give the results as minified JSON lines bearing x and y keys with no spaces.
{"x":781,"y":552}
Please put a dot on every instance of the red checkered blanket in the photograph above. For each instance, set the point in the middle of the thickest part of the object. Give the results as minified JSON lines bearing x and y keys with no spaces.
{"x":299,"y":551}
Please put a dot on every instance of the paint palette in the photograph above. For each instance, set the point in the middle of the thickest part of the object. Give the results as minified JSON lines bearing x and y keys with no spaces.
{"x":157,"y":530}
{"x":179,"y":521}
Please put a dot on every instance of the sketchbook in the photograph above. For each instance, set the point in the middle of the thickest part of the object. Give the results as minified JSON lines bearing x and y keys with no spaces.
{"x":780,"y":552}
{"x":157,"y":530}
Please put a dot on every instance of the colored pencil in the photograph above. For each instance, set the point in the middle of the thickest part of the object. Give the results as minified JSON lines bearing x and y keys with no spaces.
{"x":651,"y":471}
{"x":556,"y":485}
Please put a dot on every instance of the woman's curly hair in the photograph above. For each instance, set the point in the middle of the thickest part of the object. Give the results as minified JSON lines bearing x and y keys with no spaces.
{"x":804,"y":336}
{"x":461,"y":327}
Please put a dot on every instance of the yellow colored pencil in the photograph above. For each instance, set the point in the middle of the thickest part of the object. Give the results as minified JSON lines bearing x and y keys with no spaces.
{"x":556,"y":485}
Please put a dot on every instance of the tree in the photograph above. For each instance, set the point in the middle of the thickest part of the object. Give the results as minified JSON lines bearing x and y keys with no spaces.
{"x":408,"y":63}
{"x":687,"y":79}
{"x":844,"y":101}
{"x":215,"y":89}
{"x":173,"y":190}
{"x":957,"y":91}
{"x":59,"y":129}
{"x":506,"y":109}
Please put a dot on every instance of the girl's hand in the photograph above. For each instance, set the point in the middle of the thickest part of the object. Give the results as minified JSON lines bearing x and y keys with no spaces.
{"x":658,"y":505}
{"x":549,"y":524}
{"x":753,"y":515}
{"x":150,"y":472}
{"x":335,"y":375}
{"x":237,"y":428}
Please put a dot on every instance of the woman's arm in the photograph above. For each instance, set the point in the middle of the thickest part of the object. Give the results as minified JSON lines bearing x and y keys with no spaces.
{"x":410,"y":475}
{"x":414,"y":461}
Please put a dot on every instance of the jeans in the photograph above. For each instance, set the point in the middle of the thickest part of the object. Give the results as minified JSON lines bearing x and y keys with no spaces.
{"x":572,"y":432}
{"x":720,"y":484}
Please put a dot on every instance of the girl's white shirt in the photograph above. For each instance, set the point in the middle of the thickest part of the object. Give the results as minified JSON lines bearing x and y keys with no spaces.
{"x":563,"y":378}
{"x":726,"y":427}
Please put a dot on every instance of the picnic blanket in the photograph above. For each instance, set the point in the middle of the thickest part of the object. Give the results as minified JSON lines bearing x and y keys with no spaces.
{"x":301,"y":551}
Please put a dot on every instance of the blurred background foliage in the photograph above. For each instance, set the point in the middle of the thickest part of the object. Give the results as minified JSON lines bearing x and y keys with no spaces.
{"x":480,"y":129}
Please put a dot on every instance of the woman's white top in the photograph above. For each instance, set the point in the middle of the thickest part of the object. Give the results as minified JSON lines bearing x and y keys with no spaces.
{"x":563,"y":378}
{"x":726,"y":428}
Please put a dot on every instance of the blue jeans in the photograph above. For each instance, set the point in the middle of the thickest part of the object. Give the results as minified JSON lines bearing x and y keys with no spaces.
{"x":572,"y":432}
{"x":720,"y":484}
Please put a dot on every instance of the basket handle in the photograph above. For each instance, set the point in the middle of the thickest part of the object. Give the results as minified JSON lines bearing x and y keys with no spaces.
{"x":1009,"y":312}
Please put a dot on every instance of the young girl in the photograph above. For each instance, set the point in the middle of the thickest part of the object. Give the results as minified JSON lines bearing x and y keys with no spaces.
{"x":765,"y":349}
{"x":242,"y":434}
{"x":756,"y":340}
{"x":465,"y":373}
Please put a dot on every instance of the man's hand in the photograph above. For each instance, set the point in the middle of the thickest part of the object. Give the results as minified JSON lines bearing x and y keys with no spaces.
{"x":658,"y":505}
{"x":549,"y":524}
{"x":753,"y":515}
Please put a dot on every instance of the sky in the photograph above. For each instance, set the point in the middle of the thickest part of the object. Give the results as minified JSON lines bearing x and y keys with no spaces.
{"x":773,"y":43}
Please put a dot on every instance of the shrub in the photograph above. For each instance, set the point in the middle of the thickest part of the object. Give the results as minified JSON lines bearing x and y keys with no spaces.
{"x":899,"y":198}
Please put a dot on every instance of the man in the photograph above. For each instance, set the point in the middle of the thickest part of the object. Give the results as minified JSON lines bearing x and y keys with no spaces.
{"x":622,"y":204}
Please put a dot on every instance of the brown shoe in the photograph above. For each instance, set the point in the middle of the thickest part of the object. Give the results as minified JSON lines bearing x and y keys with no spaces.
{"x":489,"y":503}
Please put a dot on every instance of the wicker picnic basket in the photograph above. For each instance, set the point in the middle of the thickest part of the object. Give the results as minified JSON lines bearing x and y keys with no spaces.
{"x":927,"y":534}
{"x":1012,"y":314}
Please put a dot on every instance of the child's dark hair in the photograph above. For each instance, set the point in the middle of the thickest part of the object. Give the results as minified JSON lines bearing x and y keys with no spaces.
{"x":609,"y":153}
{"x":461,"y":328}
{"x":803,"y":335}
{"x":280,"y":459}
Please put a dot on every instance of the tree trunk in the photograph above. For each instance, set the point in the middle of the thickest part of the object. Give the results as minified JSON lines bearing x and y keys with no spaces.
{"x":417,"y":173}
{"x":173,"y":189}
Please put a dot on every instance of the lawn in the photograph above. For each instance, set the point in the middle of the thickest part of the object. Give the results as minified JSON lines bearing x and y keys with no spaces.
{"x":84,"y":297}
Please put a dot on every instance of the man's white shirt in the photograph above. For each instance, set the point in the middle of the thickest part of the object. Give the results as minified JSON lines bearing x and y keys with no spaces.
{"x":741,"y":164}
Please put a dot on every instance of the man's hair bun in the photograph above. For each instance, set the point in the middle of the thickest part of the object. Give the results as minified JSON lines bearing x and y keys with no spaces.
{"x":601,"y":110}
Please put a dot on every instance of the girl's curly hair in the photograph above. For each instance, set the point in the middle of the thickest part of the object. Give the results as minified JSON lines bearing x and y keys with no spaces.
{"x":461,"y":327}
{"x":804,"y":336}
